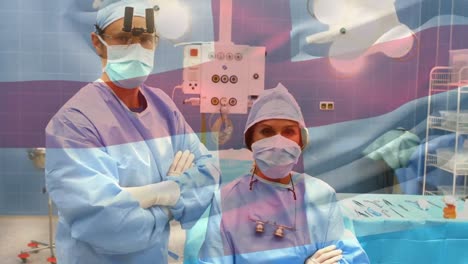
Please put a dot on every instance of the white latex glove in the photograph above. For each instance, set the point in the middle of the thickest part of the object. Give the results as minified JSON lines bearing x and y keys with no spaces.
{"x":165,"y":193}
{"x":326,"y":255}
{"x":181,"y":162}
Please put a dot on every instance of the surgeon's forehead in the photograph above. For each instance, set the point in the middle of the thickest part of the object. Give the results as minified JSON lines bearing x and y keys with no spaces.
{"x":116,"y":26}
{"x":277,"y":123}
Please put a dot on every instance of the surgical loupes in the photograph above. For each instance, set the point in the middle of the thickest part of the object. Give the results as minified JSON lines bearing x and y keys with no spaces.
{"x":128,"y":22}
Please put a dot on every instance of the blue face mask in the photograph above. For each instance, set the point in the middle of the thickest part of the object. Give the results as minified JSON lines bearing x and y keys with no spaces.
{"x":128,"y":66}
{"x":276,"y":156}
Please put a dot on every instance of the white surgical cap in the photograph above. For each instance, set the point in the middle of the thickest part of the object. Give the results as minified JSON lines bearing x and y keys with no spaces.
{"x":276,"y":103}
{"x":113,"y":10}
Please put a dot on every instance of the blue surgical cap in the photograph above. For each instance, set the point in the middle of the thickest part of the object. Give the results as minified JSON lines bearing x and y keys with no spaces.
{"x":276,"y":103}
{"x":113,"y":10}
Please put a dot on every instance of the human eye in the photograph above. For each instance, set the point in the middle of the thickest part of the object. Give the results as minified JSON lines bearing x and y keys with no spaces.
{"x":290,"y":131}
{"x":123,"y":39}
{"x":147,"y":38}
{"x":267,"y":132}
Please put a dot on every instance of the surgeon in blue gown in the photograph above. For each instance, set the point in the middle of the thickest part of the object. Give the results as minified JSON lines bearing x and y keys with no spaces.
{"x":114,"y":165}
{"x":276,"y":215}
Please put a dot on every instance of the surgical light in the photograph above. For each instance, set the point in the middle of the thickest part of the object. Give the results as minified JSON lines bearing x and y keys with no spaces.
{"x":396,"y":42}
{"x":172,"y":19}
{"x":358,"y":28}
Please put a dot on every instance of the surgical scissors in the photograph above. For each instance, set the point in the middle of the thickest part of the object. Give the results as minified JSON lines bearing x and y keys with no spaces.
{"x":387,"y":202}
{"x":358,"y":203}
{"x":360,"y":213}
{"x":416,"y":203}
{"x":375,"y":202}
{"x":402,"y":207}
{"x":397,"y":212}
{"x":385,"y":213}
{"x":434,"y":204}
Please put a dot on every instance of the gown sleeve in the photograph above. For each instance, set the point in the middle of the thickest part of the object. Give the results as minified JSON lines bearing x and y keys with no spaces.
{"x":216,"y":249}
{"x":344,"y":239}
{"x":82,"y":180}
{"x":198,"y":183}
{"x":324,"y":200}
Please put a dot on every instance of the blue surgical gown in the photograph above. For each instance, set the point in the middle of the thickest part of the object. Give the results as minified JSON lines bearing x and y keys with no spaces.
{"x":314,"y":216}
{"x":95,"y":146}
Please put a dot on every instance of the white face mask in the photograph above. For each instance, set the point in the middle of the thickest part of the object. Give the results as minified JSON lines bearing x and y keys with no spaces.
{"x":276,"y":156}
{"x":128,"y":66}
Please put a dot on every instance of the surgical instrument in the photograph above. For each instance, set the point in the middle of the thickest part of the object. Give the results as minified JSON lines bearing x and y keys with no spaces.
{"x":421,"y":204}
{"x":385,"y":213}
{"x":361,"y":205}
{"x":358,"y":203}
{"x":372,"y":211}
{"x":375,"y":202}
{"x":402,"y":207}
{"x":414,"y":202}
{"x":387,"y":202}
{"x":360,"y":213}
{"x":434,"y":204}
{"x":397,"y":212}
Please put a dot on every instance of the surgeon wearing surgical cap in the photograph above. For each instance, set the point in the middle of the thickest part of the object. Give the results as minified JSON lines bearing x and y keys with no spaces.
{"x":121,"y":160}
{"x":273,"y":214}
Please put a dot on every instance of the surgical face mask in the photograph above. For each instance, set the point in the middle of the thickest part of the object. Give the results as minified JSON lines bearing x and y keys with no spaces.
{"x":276,"y":156}
{"x":128,"y":66}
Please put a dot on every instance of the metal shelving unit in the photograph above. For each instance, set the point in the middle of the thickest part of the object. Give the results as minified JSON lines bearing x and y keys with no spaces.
{"x":455,"y":159}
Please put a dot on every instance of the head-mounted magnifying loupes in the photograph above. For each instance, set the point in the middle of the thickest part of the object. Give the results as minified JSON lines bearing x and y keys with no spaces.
{"x":128,"y":22}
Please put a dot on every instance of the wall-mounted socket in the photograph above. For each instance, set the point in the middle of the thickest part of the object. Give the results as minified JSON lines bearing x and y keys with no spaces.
{"x":327,"y":105}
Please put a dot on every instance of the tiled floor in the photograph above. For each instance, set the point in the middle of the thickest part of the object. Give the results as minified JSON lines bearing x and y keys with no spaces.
{"x":17,"y":231}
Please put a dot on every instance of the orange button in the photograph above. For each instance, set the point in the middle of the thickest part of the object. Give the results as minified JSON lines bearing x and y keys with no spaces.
{"x":193,"y":52}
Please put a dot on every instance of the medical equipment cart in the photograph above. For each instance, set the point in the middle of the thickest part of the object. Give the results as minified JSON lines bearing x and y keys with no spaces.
{"x":452,"y":84}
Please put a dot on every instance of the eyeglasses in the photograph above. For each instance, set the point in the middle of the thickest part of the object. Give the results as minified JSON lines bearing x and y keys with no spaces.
{"x":146,"y":40}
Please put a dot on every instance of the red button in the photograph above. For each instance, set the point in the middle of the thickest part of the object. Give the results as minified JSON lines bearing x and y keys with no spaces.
{"x":193,"y":52}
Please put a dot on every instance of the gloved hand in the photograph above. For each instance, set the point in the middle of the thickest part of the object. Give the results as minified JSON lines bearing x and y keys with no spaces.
{"x":326,"y":255}
{"x":164,"y":193}
{"x":181,"y":162}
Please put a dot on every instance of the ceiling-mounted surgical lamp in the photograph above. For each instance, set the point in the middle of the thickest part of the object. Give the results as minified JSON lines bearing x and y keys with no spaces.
{"x":172,"y":19}
{"x":358,"y":28}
